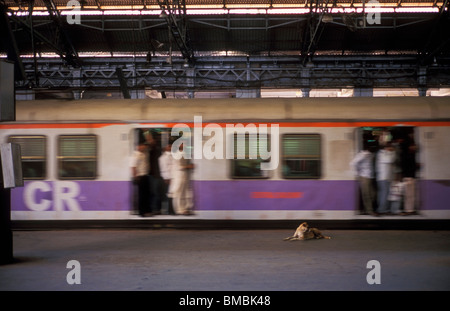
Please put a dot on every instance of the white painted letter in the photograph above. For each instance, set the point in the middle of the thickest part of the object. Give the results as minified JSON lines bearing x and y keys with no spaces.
{"x":29,"y":195}
{"x":69,"y":197}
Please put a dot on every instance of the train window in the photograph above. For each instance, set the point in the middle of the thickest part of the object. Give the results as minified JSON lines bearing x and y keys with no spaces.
{"x":77,"y":157}
{"x":33,"y":151}
{"x":246,"y":162}
{"x":301,"y":154}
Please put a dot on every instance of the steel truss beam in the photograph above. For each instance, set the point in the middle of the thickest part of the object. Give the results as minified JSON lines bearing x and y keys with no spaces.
{"x":60,"y":42}
{"x":313,"y":30}
{"x":175,"y":14}
{"x":106,"y":23}
{"x":215,"y":73}
{"x":71,"y":55}
{"x":13,"y":53}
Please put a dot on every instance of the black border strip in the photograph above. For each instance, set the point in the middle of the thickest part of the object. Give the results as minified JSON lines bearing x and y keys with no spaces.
{"x":204,"y":224}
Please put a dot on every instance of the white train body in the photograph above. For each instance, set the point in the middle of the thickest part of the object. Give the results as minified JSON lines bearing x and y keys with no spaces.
{"x":317,"y":183}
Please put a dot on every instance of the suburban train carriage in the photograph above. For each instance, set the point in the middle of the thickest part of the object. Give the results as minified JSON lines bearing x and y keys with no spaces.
{"x":75,"y":154}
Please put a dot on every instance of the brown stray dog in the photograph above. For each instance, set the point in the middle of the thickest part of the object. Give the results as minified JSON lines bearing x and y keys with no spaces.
{"x":304,"y":232}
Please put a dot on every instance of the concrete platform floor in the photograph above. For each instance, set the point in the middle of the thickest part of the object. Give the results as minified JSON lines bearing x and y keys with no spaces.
{"x":227,"y":260}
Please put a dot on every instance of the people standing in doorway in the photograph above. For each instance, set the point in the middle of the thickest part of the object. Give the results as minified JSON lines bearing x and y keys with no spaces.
{"x":384,"y":169}
{"x":180,"y":186}
{"x":409,"y":169}
{"x":165,"y":167}
{"x":362,"y":164}
{"x":139,"y":172}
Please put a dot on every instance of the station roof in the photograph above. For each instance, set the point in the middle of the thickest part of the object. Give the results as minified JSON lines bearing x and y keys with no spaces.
{"x":243,"y":26}
{"x":200,"y":29}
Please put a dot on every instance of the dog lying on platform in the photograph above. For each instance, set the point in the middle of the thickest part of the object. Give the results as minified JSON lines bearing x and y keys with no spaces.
{"x":304,"y":232}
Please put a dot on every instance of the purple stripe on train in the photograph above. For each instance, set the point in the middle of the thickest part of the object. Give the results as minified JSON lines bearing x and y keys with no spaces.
{"x":214,"y":195}
{"x":435,"y":194}
{"x":303,"y":195}
{"x":275,"y":195}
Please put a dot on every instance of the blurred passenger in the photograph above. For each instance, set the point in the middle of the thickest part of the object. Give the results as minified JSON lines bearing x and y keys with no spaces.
{"x":409,"y":169}
{"x":155,"y":179}
{"x":384,"y":138}
{"x":384,"y":168}
{"x":396,"y":195}
{"x":139,"y":172}
{"x":397,"y":144}
{"x":165,"y":167}
{"x":362,"y":164}
{"x":180,"y":186}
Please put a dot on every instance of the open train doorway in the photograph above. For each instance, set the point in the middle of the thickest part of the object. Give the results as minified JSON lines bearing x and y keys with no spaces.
{"x":391,"y":188}
{"x":156,"y":140}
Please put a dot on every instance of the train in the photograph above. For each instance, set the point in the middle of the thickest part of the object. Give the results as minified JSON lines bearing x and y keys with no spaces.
{"x":75,"y":154}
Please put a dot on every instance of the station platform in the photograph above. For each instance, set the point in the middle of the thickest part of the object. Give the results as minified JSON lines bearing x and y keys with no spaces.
{"x":227,"y":258}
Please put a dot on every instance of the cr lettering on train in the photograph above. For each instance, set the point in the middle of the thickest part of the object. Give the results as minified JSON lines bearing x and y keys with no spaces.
{"x":59,"y":195}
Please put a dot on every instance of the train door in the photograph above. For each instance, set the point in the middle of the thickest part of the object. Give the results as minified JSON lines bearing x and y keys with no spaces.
{"x":402,"y":140}
{"x":156,"y":139}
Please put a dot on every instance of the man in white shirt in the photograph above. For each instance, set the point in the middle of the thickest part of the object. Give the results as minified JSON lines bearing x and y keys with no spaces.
{"x":180,"y":186}
{"x":384,"y":164}
{"x":165,"y":168}
{"x":362,"y":164}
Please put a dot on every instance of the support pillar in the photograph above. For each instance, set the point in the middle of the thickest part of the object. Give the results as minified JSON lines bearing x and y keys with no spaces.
{"x":190,"y":72}
{"x":248,"y":93}
{"x":138,"y":94}
{"x":363,"y":92}
{"x":422,"y":80}
{"x":7,"y":113}
{"x":6,"y":240}
{"x":76,"y":75}
{"x":305,"y":91}
{"x":422,"y":91}
{"x":123,"y":83}
{"x":305,"y":76}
